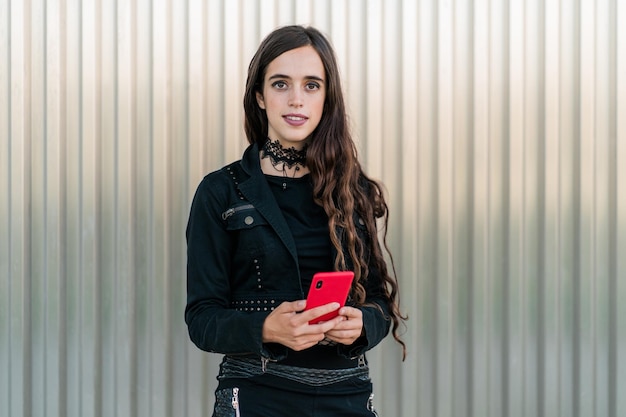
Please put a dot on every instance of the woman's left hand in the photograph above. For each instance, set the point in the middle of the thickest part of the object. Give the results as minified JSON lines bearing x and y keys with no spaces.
{"x":348,"y":330}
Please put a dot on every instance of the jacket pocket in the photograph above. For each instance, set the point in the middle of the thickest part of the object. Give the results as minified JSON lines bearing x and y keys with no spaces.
{"x":242,"y":216}
{"x":253,"y":235}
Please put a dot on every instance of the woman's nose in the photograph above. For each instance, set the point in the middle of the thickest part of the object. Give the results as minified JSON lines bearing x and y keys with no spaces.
{"x":295,"y":97}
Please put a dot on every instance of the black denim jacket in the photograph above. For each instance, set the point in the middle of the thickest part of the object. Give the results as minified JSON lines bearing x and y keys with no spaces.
{"x":242,"y":263}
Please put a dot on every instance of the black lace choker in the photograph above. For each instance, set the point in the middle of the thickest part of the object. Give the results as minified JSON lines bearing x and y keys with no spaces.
{"x":289,"y":157}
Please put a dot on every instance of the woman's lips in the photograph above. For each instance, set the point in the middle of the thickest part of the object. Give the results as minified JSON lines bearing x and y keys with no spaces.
{"x":295,"y":119}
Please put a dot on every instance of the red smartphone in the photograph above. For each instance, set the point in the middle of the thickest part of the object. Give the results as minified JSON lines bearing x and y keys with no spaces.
{"x":328,"y":287}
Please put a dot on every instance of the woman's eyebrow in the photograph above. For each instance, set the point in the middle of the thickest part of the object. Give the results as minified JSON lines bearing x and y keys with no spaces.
{"x":307,"y":77}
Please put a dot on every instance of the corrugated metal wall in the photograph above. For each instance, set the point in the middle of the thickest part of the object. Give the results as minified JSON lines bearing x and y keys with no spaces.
{"x":498,"y":126}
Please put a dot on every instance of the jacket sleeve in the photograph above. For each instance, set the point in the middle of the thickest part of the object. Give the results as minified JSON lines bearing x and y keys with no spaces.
{"x":214,"y":326}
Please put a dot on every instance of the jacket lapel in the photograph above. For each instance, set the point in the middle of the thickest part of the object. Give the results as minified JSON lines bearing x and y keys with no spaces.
{"x":256,"y":190}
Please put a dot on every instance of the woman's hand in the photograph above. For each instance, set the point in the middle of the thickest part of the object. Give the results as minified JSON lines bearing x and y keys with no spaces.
{"x":349,"y":329}
{"x":289,"y":325}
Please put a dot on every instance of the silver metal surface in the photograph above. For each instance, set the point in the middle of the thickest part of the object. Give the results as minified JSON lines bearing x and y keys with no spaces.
{"x":498,"y":127}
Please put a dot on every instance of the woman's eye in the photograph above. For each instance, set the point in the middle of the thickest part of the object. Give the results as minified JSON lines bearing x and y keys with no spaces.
{"x":279,"y":84}
{"x":312,"y":86}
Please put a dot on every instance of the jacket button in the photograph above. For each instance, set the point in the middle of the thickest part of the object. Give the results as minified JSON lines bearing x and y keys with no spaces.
{"x":248,"y":220}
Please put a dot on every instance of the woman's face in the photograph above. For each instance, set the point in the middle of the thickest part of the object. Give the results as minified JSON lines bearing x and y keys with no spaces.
{"x":293,"y":96}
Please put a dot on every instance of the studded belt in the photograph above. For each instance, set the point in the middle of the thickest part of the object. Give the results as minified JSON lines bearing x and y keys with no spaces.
{"x":233,"y":367}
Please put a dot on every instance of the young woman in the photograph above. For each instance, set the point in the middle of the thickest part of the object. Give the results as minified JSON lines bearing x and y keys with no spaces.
{"x":297,"y":203}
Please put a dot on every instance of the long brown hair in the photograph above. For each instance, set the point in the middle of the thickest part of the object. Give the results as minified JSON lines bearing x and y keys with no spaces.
{"x":339,"y":184}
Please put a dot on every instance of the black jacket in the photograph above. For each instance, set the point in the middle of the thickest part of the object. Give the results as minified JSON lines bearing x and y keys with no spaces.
{"x":242,"y":263}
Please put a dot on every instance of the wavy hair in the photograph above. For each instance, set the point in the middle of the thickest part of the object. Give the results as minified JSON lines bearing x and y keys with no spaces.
{"x":339,"y":184}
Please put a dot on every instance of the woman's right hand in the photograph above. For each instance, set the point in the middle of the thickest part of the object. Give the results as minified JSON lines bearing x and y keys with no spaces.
{"x":289,"y":325}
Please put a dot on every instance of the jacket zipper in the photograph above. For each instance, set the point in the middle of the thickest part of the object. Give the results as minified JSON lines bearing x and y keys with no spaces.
{"x":264,"y":362}
{"x":362,"y":361}
{"x":236,"y":401}
{"x":233,"y":210}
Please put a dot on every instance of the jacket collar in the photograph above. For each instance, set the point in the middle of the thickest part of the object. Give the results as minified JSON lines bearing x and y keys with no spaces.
{"x":256,"y":190}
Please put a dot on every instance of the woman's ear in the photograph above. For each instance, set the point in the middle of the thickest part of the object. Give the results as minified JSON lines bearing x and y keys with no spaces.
{"x":259,"y":100}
